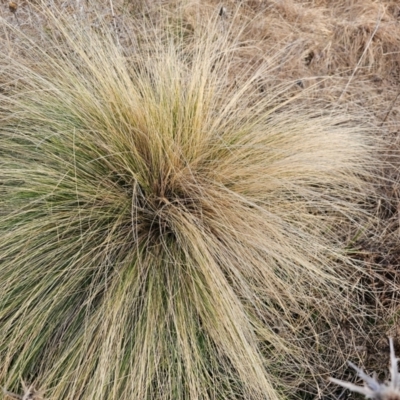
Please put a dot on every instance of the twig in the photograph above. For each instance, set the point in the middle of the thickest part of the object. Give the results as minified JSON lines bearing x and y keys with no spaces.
{"x":372,"y":389}
{"x":390,"y":109}
{"x":114,"y":20}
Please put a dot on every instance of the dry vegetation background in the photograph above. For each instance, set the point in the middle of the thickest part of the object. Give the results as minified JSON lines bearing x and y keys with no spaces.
{"x":350,"y":52}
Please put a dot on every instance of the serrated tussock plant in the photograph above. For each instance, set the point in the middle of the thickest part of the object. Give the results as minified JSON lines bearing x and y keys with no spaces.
{"x":162,"y":217}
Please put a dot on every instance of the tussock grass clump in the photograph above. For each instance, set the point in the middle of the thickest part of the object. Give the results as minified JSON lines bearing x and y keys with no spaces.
{"x":169,"y":230}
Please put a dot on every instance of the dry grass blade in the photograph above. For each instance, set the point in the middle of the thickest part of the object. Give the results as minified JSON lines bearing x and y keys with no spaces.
{"x":162,"y":217}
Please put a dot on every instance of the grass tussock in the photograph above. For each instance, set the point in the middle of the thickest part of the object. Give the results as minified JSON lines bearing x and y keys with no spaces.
{"x":169,"y":229}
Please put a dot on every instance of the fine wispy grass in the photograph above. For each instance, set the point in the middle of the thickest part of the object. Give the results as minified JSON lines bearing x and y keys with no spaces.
{"x":172,"y":227}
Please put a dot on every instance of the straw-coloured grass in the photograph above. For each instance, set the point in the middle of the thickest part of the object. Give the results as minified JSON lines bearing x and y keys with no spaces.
{"x":169,"y":229}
